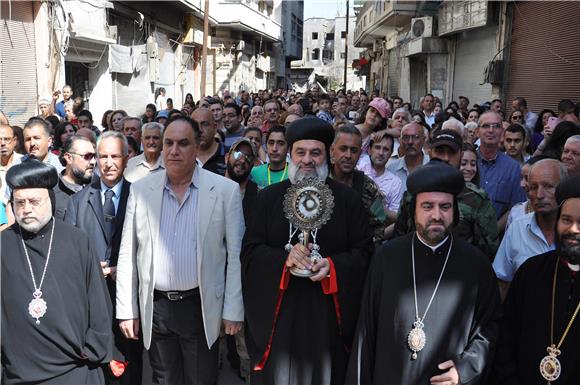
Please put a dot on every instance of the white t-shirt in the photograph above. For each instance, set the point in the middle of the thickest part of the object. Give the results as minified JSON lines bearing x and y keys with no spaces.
{"x":161,"y":103}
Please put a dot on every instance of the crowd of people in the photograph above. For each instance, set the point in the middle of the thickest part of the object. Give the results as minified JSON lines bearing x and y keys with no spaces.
{"x":145,"y":248}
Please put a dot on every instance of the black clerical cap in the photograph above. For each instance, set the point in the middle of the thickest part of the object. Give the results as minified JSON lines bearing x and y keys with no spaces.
{"x":32,"y":173}
{"x":435,"y":176}
{"x":568,"y":188}
{"x":310,"y":128}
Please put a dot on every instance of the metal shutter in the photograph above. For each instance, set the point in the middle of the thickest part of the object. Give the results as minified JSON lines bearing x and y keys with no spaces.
{"x":394,"y":74}
{"x":18,"y":87}
{"x":545,"y":55}
{"x":474,"y":49}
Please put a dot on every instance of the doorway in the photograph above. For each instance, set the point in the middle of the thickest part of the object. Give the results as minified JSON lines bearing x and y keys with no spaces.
{"x":77,"y":76}
{"x":418,"y":77}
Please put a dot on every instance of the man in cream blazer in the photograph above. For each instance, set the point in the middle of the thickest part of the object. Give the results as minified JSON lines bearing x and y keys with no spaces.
{"x":178,"y":273}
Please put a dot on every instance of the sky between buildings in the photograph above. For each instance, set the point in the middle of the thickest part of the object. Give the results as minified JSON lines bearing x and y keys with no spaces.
{"x":328,"y":9}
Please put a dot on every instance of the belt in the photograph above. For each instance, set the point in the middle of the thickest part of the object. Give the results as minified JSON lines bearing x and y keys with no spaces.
{"x":177,"y":295}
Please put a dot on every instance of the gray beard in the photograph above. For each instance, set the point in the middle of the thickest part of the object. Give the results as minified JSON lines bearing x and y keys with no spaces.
{"x":296,"y":175}
{"x":35,"y":226}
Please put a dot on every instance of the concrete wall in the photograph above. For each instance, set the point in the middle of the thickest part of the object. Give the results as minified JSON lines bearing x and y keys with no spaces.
{"x":48,"y":69}
{"x":438,"y":75}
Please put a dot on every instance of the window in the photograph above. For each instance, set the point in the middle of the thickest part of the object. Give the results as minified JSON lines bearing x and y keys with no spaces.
{"x":296,"y":28}
{"x":343,"y":35}
{"x":314,"y":35}
{"x":342,"y":55}
{"x":316,"y":54}
{"x":328,"y":54}
{"x":330,"y":36}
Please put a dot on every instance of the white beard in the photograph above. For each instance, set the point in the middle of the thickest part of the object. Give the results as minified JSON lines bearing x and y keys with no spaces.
{"x":296,"y":175}
{"x":34,"y":225}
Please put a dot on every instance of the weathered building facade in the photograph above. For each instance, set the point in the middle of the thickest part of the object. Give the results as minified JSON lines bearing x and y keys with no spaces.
{"x":116,"y":54}
{"x":324,"y":54}
{"x":479,"y":49}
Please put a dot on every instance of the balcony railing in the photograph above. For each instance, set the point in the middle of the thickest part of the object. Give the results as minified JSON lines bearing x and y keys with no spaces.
{"x":375,"y":17}
{"x":238,"y":12}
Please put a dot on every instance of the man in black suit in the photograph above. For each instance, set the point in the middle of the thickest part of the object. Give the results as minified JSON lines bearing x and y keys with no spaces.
{"x":99,"y":210}
{"x":78,"y":155}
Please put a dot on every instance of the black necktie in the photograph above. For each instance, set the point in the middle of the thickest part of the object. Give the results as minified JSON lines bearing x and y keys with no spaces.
{"x":109,"y":212}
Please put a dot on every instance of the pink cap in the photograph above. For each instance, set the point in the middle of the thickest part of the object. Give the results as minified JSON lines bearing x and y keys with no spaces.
{"x":381,"y":106}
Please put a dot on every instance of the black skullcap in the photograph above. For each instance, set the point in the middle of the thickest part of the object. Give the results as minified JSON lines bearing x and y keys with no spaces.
{"x":32,"y":173}
{"x":568,"y":188}
{"x":435,"y":176}
{"x":310,"y":128}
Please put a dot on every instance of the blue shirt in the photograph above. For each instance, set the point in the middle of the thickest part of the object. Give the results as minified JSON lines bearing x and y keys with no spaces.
{"x":59,"y":107}
{"x":175,"y":261}
{"x":230,"y":138}
{"x":500,"y":178}
{"x":116,"y":190}
{"x":324,"y":115}
{"x":522,"y":240}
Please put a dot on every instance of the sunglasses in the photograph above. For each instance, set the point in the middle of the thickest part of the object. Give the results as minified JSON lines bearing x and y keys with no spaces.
{"x":88,"y":156}
{"x":238,"y":155}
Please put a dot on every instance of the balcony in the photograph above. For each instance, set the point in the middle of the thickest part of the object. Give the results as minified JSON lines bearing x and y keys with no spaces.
{"x":240,"y":15}
{"x":377,"y":18}
{"x":89,"y":24}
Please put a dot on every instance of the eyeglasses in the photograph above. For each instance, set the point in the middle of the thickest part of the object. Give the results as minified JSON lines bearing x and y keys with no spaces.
{"x":6,"y":140}
{"x":514,"y":117}
{"x":238,"y":155}
{"x":34,"y":202}
{"x":411,"y":138}
{"x":271,"y":110}
{"x":86,"y":156}
{"x":494,"y":126}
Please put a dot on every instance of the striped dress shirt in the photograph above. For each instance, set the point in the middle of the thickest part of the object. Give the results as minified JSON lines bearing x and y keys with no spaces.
{"x":176,"y":257}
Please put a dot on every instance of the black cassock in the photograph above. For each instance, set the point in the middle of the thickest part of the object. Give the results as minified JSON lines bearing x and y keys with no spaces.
{"x":461,"y":325}
{"x":525,"y":329}
{"x":314,"y":321}
{"x":74,"y":337}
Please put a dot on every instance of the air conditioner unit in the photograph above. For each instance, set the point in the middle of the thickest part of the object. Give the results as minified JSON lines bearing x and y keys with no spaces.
{"x":422,"y":27}
{"x":494,"y":72}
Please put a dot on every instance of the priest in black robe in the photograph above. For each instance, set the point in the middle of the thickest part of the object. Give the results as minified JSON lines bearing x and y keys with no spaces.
{"x":55,"y":327}
{"x":545,"y":283}
{"x":298,"y":329}
{"x":461,"y":324}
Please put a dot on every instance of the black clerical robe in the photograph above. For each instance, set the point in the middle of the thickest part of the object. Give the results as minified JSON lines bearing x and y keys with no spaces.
{"x":298,"y":331}
{"x":74,"y":337}
{"x":461,"y":325}
{"x":525,"y":328}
